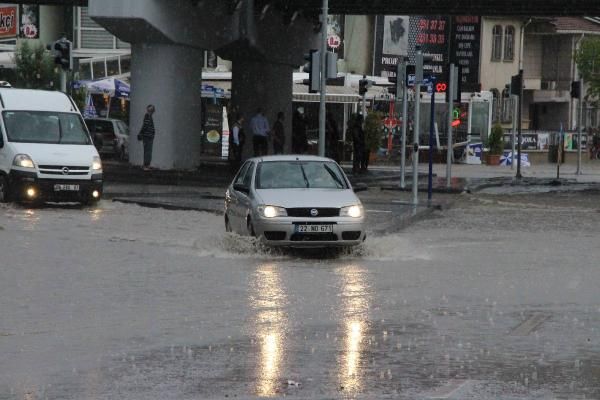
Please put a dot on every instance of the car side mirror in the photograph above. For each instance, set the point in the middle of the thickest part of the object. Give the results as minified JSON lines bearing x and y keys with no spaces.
{"x":1,"y":141}
{"x":360,"y":187}
{"x":241,"y":188}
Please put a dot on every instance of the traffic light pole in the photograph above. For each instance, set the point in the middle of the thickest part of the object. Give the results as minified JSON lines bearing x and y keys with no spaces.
{"x":63,"y":80}
{"x":431,"y":129}
{"x":404,"y":125}
{"x":520,"y":137}
{"x":580,"y":126}
{"x":322,"y":107}
{"x":449,"y":153}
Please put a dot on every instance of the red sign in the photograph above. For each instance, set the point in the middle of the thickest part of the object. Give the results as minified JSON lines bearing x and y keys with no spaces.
{"x":8,"y":21}
{"x":391,"y":122}
{"x":334,"y":41}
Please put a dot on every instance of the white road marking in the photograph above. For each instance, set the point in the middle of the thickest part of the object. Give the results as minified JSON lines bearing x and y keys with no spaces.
{"x":529,"y":325}
{"x":379,"y":211}
{"x":448,"y":389}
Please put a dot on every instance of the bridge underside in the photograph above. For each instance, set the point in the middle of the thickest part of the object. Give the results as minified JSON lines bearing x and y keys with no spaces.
{"x":420,"y":7}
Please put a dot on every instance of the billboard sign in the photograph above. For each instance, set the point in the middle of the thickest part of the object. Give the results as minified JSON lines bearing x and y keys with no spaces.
{"x":8,"y":21}
{"x":465,"y":49}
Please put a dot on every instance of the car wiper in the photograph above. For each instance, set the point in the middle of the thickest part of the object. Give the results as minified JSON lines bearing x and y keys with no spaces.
{"x":304,"y":175}
{"x":334,"y":176}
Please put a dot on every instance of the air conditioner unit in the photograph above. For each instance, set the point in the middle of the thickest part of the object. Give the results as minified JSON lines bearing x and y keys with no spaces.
{"x":548,"y":85}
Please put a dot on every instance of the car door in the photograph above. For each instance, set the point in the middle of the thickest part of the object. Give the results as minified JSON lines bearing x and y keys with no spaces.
{"x":233,"y":205}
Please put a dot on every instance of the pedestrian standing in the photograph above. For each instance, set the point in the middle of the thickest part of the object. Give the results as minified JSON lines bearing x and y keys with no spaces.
{"x":146,"y":135}
{"x":299,"y":136}
{"x":332,"y":137}
{"x":358,"y":144}
{"x":278,"y":134}
{"x":237,"y":140}
{"x":260,"y":133}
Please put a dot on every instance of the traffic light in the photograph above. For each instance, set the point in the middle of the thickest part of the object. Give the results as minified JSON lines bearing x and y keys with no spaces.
{"x":576,"y":89}
{"x":313,"y":67}
{"x":363,"y":85}
{"x":516,"y":83}
{"x":62,"y":54}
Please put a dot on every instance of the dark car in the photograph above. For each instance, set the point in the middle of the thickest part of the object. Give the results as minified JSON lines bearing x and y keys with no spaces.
{"x":111,"y":136}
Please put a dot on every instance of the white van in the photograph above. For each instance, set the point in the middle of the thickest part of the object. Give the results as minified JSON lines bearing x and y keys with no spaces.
{"x":46,"y":152}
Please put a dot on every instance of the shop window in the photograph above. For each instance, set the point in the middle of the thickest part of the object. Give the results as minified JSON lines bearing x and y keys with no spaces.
{"x":99,"y":69}
{"x":497,"y":43}
{"x":125,"y":64}
{"x":112,"y":67}
{"x":509,"y":43}
{"x":85,"y":70}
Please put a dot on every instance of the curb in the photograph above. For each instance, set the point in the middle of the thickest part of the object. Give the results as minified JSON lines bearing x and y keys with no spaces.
{"x":166,"y":206}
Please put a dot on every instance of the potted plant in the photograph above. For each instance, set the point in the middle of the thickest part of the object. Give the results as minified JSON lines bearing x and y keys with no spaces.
{"x":495,"y":144}
{"x":373,"y":133}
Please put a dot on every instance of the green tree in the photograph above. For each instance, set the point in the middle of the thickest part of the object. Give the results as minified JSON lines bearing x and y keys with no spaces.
{"x":34,"y":67}
{"x":587,"y":58}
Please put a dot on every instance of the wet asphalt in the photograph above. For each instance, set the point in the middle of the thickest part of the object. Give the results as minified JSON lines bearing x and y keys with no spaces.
{"x":492,"y":297}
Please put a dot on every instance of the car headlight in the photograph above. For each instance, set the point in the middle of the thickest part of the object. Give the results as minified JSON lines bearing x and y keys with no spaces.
{"x":272,"y":211}
{"x":355,"y":211}
{"x":23,"y":160}
{"x":96,"y":164}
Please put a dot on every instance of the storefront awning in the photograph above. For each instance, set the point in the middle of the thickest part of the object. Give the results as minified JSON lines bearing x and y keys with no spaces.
{"x":335,"y":94}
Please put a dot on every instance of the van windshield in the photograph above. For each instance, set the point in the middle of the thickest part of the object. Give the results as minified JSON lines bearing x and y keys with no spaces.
{"x":45,"y":127}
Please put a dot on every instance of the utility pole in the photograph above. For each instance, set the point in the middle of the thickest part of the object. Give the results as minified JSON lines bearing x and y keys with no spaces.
{"x":402,"y":75}
{"x":322,"y":107}
{"x":580,"y":125}
{"x":431,"y":128}
{"x":416,"y":124}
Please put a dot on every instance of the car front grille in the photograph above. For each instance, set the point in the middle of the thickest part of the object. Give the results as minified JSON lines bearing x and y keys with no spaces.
{"x":314,"y":237}
{"x":307,"y":212}
{"x":63,"y":170}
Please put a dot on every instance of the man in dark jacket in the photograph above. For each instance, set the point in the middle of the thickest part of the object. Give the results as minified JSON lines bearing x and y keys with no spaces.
{"x":147,"y":136}
{"x":299,"y":134}
{"x":236,"y":141}
{"x":358,"y":143}
{"x":278,"y":134}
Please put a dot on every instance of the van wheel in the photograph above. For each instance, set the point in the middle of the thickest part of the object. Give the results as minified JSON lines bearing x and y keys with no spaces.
{"x":227,"y":225}
{"x":251,"y":228}
{"x":5,"y":195}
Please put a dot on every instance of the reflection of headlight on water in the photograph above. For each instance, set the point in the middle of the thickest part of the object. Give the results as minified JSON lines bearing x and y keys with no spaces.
{"x":353,"y":348}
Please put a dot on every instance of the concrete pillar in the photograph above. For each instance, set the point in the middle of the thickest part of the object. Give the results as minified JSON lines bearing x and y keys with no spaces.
{"x":269,"y":86}
{"x":169,"y":77}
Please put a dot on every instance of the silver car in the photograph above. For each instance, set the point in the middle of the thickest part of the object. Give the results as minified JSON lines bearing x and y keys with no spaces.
{"x":295,"y":201}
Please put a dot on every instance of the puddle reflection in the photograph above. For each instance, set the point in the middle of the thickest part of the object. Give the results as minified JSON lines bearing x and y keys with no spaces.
{"x":269,"y":299}
{"x":31,"y":218}
{"x":355,"y":308}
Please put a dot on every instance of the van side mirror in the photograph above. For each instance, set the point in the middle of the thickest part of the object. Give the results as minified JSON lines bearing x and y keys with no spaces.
{"x":241,"y":188}
{"x":1,"y":141}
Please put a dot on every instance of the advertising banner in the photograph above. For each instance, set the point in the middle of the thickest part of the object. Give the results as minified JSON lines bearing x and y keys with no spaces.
{"x":398,"y":36}
{"x":8,"y":21}
{"x":465,"y":42}
{"x":29,"y":21}
{"x":213,"y":128}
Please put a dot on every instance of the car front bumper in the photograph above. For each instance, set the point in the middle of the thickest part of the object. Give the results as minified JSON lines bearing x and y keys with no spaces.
{"x":45,"y":189}
{"x":284,"y":232}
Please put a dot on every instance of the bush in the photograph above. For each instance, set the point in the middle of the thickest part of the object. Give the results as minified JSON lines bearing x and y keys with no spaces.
{"x":373,"y":131}
{"x":495,"y":141}
{"x":34,"y":67}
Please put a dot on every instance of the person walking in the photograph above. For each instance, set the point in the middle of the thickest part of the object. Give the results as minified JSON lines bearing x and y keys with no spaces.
{"x":278,"y":134}
{"x":260,"y":133}
{"x":146,"y":135}
{"x":358,"y":144}
{"x":299,"y":136}
{"x":237,"y":140}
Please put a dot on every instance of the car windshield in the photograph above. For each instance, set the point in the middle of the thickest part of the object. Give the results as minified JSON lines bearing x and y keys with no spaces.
{"x":45,"y":127}
{"x":299,"y":174}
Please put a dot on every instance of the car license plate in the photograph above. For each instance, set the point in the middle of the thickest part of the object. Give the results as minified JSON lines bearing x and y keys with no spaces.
{"x":314,"y":228}
{"x":66,"y":188}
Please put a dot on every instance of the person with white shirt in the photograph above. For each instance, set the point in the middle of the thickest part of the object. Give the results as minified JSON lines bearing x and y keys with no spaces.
{"x":260,"y":133}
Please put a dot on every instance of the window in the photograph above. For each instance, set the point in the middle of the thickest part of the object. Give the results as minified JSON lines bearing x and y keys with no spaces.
{"x":295,"y":174}
{"x":509,"y":43}
{"x":497,"y":43}
{"x":496,"y":105}
{"x":45,"y":127}
{"x":507,"y":107}
{"x":89,"y":35}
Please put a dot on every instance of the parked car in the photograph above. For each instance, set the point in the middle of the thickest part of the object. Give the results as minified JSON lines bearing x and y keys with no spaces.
{"x":46,"y":152}
{"x":111,"y":136}
{"x":294,"y":201}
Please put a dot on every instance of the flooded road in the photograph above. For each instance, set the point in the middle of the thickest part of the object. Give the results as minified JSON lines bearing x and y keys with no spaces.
{"x":495,"y":298}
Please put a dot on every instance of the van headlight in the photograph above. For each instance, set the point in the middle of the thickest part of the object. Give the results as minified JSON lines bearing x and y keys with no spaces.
{"x":23,"y":161}
{"x":271,"y":211}
{"x":96,"y":164}
{"x":355,"y":211}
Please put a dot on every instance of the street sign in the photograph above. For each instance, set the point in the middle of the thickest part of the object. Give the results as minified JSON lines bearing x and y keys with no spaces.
{"x":427,"y":80}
